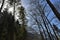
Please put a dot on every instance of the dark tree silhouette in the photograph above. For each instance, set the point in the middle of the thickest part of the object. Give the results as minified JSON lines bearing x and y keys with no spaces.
{"x":2,"y":5}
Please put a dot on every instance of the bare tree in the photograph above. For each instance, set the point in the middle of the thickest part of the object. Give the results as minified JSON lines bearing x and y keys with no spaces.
{"x":54,"y":9}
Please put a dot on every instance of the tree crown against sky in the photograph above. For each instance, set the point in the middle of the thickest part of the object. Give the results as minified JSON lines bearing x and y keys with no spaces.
{"x":37,"y":12}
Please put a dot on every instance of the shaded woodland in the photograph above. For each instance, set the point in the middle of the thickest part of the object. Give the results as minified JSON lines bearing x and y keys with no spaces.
{"x":12,"y":28}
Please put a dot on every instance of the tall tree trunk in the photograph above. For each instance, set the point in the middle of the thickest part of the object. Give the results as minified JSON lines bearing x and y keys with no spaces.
{"x":54,"y":9}
{"x":14,"y":10}
{"x":13,"y":33}
{"x":2,"y":5}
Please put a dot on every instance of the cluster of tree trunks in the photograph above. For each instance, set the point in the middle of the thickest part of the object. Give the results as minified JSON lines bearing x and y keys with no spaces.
{"x":9,"y":29}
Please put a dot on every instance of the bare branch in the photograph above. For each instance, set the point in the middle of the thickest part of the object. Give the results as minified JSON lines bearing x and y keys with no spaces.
{"x":54,"y":9}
